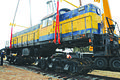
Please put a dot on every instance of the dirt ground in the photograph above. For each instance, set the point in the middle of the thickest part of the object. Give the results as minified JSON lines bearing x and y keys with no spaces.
{"x":11,"y":73}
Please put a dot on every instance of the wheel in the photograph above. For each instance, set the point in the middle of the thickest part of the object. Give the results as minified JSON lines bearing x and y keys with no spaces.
{"x":90,"y":62}
{"x":14,"y":61}
{"x":73,"y":71}
{"x":42,"y":65}
{"x":114,"y":64}
{"x":88,"y":59}
{"x":9,"y":60}
{"x":101,"y":63}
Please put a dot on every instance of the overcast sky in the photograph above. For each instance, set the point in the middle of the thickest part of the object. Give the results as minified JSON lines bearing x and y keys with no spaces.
{"x":39,"y":10}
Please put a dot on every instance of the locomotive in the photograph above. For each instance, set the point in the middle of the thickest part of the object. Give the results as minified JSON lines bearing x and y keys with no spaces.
{"x":77,"y":28}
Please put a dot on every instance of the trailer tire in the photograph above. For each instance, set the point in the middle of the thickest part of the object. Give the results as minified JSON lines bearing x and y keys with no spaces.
{"x":114,"y":64}
{"x":101,"y":63}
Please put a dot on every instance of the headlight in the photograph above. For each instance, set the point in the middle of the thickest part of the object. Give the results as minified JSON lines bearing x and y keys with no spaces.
{"x":98,"y":11}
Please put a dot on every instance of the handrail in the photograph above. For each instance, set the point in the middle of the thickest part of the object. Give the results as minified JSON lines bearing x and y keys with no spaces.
{"x":72,"y":25}
{"x":79,"y":19}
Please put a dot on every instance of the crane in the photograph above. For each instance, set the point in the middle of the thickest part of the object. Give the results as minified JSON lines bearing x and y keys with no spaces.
{"x":11,"y":24}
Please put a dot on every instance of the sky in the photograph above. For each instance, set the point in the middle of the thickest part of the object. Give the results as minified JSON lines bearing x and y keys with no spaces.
{"x":38,"y":11}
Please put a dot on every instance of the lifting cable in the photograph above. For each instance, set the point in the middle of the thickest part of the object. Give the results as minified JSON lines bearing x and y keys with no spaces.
{"x":55,"y":6}
{"x":30,"y":13}
{"x":13,"y":23}
{"x":14,"y":20}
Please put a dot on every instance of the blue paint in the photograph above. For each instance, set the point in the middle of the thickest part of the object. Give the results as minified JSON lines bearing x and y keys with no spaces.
{"x":73,"y":13}
{"x":99,"y":28}
{"x":51,"y":36}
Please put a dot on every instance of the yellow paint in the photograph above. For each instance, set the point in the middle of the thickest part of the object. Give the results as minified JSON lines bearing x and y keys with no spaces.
{"x":11,"y":24}
{"x":15,"y":40}
{"x":46,"y":30}
{"x":14,"y":54}
{"x":107,"y":13}
{"x":81,"y":63}
{"x":78,"y":22}
{"x":97,"y":1}
{"x":23,"y":37}
{"x":19,"y":39}
{"x":12,"y":40}
{"x":36,"y":34}
{"x":119,"y":40}
{"x":91,"y":48}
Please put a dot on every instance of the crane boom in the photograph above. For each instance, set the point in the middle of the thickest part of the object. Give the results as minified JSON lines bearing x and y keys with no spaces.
{"x":106,"y":7}
{"x":107,"y":13}
{"x":106,"y":17}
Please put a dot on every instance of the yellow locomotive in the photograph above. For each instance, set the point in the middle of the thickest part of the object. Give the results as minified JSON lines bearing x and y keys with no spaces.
{"x":77,"y":28}
{"x":74,"y":25}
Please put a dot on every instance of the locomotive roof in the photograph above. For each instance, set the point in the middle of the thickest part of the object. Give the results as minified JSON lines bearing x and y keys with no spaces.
{"x":63,"y":9}
{"x":26,"y":30}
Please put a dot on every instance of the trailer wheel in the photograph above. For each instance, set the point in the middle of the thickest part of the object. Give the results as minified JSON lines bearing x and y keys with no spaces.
{"x":101,"y":63}
{"x":114,"y":64}
{"x":9,"y":60}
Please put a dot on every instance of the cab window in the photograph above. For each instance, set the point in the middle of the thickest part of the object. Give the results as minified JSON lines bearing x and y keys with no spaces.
{"x":50,"y":19}
{"x":47,"y":21}
{"x":44,"y":23}
{"x":62,"y":12}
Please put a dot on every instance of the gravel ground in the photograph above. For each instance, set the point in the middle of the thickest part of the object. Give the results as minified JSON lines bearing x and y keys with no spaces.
{"x":111,"y":74}
{"x":8,"y":72}
{"x":11,"y":73}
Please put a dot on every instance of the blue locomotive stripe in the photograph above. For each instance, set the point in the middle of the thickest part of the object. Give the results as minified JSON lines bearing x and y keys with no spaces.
{"x":46,"y":37}
{"x":51,"y":36}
